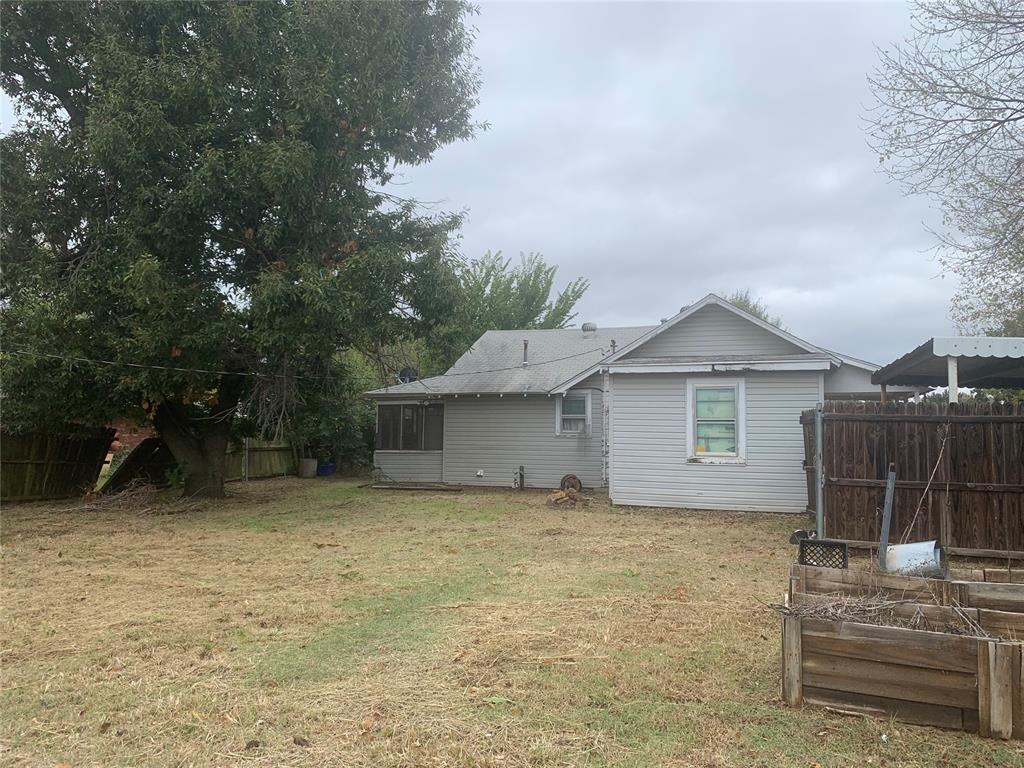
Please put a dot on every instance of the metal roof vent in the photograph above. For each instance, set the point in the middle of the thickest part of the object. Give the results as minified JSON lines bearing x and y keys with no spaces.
{"x":589,"y":327}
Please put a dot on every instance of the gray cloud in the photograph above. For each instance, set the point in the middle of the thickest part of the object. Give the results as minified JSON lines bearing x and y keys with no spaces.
{"x":668,"y":150}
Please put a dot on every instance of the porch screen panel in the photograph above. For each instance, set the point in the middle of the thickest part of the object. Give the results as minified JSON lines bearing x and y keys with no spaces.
{"x":412,"y":427}
{"x":389,"y":427}
{"x":433,"y":428}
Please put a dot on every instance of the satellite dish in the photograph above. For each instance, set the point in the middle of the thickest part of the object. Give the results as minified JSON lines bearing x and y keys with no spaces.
{"x":407,"y":374}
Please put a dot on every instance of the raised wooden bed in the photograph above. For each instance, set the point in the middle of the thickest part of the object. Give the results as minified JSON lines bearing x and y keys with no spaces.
{"x":998,"y":607}
{"x":993,"y":575}
{"x":927,"y":678}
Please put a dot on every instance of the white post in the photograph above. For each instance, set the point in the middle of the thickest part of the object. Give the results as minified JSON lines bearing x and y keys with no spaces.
{"x":819,"y":470}
{"x":952,"y":379}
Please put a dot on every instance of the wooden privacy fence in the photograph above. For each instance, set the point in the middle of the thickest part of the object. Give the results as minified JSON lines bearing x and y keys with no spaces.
{"x":959,"y":473}
{"x":38,"y":465}
{"x":256,"y":458}
{"x":151,"y":461}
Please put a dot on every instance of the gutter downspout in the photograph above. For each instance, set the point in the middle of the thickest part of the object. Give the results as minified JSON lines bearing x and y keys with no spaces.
{"x":606,"y":418}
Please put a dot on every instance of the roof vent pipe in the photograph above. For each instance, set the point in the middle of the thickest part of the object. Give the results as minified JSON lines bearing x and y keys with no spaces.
{"x":590,"y":327}
{"x":526,"y":345}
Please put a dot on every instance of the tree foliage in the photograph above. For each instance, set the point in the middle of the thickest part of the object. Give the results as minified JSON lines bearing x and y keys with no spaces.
{"x":755,"y":306}
{"x":495,"y":295}
{"x":196,"y":193}
{"x":1013,"y":325}
{"x":950,"y":124}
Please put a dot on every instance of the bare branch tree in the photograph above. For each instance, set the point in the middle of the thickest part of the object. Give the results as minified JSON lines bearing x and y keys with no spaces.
{"x":950,"y":124}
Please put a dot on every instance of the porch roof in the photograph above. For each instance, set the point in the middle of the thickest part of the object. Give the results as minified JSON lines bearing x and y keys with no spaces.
{"x":981,"y":361}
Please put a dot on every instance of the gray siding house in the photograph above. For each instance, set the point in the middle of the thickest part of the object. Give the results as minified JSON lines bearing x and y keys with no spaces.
{"x":701,"y":411}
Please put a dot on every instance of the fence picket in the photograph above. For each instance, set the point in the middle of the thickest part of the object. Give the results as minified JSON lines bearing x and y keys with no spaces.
{"x":975,"y":499}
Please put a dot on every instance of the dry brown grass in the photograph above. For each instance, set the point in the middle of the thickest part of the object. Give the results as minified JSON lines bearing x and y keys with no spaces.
{"x":315,"y":623}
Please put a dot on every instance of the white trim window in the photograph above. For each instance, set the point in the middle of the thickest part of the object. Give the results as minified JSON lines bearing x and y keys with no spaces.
{"x":716,"y":420}
{"x":573,"y":414}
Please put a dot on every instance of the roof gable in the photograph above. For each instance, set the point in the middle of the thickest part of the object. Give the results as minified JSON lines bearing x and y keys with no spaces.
{"x":774,"y":336}
{"x":729,"y":326}
{"x":713,"y":330}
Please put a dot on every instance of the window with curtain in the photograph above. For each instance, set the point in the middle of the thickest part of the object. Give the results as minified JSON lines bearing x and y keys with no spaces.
{"x":572,"y":414}
{"x":410,"y":427}
{"x":716,"y":412}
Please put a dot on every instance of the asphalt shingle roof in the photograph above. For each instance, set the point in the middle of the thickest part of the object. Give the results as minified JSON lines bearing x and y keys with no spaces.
{"x":493,"y":365}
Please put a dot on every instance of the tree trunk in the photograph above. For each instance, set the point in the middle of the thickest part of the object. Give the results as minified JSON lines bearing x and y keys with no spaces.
{"x":199,"y":443}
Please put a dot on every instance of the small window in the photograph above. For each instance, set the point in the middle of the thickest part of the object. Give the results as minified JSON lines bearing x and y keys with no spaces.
{"x":573,"y":414}
{"x":715,"y":420}
{"x":410,"y":427}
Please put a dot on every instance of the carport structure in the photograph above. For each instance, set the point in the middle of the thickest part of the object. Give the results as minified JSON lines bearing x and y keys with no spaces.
{"x":958,"y":361}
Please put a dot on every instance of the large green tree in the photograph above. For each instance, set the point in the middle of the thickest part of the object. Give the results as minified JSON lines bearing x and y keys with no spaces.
{"x":196,"y":194}
{"x":495,"y":294}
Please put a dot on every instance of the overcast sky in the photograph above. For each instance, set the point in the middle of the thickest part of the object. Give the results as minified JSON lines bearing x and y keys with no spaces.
{"x":663,"y":151}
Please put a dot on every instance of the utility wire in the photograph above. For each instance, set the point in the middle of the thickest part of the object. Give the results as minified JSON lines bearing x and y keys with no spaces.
{"x":71,"y":358}
{"x":179,"y":369}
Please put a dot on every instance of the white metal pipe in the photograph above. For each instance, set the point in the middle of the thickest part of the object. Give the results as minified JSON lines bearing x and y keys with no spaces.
{"x":953,"y":379}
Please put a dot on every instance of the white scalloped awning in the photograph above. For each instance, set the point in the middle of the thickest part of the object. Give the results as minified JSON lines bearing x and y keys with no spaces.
{"x":981,"y":361}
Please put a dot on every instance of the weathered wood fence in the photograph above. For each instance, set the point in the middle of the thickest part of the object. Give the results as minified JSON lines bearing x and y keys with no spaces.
{"x":38,"y":465}
{"x":258,"y":458}
{"x":959,"y":473}
{"x":151,"y":462}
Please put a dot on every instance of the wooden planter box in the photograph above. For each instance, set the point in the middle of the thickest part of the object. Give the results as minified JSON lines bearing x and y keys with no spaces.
{"x":927,"y":678}
{"x":923,"y":677}
{"x":998,"y":607}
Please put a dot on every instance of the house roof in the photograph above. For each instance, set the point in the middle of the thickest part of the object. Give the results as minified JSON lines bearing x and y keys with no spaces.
{"x":494,"y":364}
{"x":559,"y":359}
{"x":709,"y":300}
{"x":983,"y":361}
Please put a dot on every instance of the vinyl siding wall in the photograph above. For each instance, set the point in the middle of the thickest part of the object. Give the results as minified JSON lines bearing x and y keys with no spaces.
{"x":497,"y":435}
{"x":714,"y":331}
{"x":847,"y":378}
{"x":649,"y":452}
{"x":409,"y":466}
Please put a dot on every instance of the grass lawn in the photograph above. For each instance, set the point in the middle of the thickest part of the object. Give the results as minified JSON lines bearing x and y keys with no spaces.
{"x":316,"y":623}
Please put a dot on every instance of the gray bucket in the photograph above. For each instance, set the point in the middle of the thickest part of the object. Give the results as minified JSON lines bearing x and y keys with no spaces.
{"x":919,"y":558}
{"x":307,"y":467}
